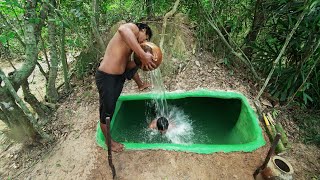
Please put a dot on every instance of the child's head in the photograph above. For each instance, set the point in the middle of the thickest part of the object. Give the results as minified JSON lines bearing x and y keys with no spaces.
{"x":162,"y":124}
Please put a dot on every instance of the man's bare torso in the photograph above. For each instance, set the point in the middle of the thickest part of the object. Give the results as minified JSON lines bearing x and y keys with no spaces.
{"x":116,"y":56}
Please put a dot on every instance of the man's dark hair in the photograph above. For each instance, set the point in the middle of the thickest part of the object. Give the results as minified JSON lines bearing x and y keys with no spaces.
{"x":142,"y":26}
{"x":162,"y":123}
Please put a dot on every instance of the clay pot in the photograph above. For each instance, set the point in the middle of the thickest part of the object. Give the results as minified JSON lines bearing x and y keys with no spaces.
{"x":277,"y":169}
{"x":154,"y":50}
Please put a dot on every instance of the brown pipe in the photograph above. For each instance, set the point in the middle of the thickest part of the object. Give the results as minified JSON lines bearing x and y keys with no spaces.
{"x":270,"y":152}
{"x":109,"y":148}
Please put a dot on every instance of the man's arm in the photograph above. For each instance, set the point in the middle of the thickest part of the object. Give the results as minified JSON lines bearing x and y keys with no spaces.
{"x":129,"y":33}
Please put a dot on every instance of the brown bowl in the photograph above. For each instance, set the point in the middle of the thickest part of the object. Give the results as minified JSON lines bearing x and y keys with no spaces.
{"x":154,"y":50}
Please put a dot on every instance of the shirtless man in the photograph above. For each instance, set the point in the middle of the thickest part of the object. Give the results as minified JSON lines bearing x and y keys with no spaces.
{"x":116,"y":67}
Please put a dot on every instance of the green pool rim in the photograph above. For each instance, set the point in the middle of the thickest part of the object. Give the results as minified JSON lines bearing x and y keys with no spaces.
{"x":196,"y":148}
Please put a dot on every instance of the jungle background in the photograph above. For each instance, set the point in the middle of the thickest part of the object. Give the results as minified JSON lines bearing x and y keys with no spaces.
{"x":49,"y":51}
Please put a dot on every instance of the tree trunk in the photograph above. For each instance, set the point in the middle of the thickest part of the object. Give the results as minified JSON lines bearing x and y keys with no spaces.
{"x":164,"y":25}
{"x":257,"y":24}
{"x":2,"y":49}
{"x":18,"y":123}
{"x":43,"y":17}
{"x":149,"y":8}
{"x":51,"y":91}
{"x":96,"y":6}
{"x":36,"y":105}
{"x":32,"y":123}
{"x":20,"y":130}
{"x":29,"y":64}
{"x":64,"y":60}
{"x":94,"y":26}
{"x":19,"y":118}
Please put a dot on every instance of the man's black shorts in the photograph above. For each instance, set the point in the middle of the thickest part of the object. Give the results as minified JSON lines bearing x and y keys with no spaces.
{"x":110,"y":87}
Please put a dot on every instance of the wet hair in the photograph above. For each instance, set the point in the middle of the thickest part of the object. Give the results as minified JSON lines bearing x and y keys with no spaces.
{"x":142,"y":26}
{"x":162,"y":123}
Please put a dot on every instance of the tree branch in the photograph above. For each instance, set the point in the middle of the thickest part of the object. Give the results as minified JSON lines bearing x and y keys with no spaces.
{"x":94,"y":27}
{"x":11,"y":64}
{"x":165,"y":18}
{"x":42,"y":71}
{"x":44,"y":52}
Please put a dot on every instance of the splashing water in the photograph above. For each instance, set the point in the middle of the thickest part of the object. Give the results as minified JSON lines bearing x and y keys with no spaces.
{"x":180,"y":130}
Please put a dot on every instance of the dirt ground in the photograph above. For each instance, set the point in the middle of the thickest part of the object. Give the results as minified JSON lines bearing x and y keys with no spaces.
{"x":75,"y":154}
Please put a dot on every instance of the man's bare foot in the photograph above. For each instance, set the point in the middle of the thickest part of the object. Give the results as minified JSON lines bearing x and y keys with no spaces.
{"x":116,"y":147}
{"x":144,"y":86}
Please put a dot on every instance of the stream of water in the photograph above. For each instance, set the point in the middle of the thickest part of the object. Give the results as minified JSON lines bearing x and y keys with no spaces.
{"x":180,"y":129}
{"x":159,"y":99}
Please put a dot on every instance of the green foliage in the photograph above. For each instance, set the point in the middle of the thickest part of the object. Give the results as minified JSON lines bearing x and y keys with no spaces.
{"x":231,"y":16}
{"x":309,"y":125}
{"x":83,"y":66}
{"x":234,"y":16}
{"x":114,"y":11}
{"x":293,"y":68}
{"x":12,"y":13}
{"x":6,"y":36}
{"x":86,"y":63}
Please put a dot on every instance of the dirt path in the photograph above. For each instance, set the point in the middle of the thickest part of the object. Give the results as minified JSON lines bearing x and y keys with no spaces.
{"x":77,"y":156}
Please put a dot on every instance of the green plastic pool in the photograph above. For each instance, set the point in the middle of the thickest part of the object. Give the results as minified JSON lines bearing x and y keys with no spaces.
{"x":225,"y":118}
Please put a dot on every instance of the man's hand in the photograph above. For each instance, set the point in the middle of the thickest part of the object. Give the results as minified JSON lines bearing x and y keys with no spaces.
{"x":146,"y":62}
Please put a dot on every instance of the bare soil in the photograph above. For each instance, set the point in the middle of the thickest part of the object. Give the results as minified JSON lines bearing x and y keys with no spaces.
{"x":75,"y":154}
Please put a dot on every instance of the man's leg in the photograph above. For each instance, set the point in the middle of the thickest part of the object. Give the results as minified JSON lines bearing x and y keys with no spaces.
{"x":141,"y":85}
{"x":109,"y":107}
{"x":136,"y":77}
{"x":108,"y":95}
{"x":115,"y":146}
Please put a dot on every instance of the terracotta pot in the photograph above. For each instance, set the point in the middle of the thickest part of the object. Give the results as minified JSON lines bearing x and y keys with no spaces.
{"x":151,"y":48}
{"x":277,"y":169}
